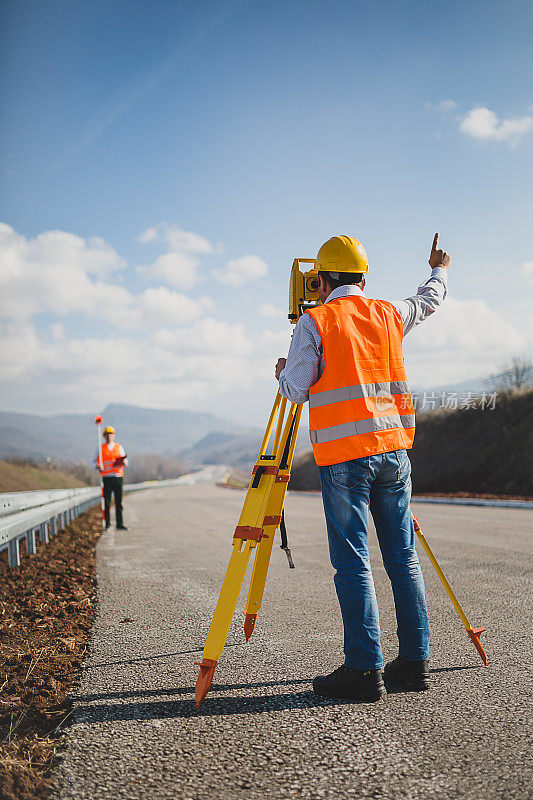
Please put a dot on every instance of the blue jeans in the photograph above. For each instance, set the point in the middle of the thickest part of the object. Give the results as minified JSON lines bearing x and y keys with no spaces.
{"x":383,"y":483}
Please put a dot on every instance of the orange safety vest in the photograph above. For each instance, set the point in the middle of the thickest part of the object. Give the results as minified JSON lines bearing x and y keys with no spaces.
{"x":361,"y":405}
{"x":109,"y":454}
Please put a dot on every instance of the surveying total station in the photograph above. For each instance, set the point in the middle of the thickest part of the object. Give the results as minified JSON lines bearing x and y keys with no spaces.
{"x":262,"y":512}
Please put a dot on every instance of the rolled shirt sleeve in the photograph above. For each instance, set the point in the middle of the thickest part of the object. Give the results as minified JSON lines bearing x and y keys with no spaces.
{"x":430,"y":295}
{"x":303,"y":361}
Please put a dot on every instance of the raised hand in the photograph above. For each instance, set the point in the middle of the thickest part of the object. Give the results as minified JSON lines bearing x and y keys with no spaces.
{"x":438,"y":258}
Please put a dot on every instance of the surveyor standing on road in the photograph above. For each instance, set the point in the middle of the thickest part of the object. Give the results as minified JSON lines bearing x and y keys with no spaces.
{"x":110,"y":463}
{"x":346,"y":358}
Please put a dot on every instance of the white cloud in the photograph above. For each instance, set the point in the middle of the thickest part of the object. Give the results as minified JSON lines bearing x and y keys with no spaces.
{"x":240,"y":270}
{"x":482,"y":123}
{"x":179,"y":266}
{"x":59,"y":273}
{"x":178,"y":269}
{"x":527,"y":271}
{"x":206,"y":302}
{"x":176,"y":238}
{"x":464,"y":339}
{"x":186,"y":241}
{"x":268,"y":310}
{"x":443,"y":106}
{"x":187,"y":365}
{"x":149,"y":235}
{"x":206,"y":335}
{"x":58,"y":331}
{"x":55,"y":272}
{"x":160,"y":306}
{"x":166,"y":352}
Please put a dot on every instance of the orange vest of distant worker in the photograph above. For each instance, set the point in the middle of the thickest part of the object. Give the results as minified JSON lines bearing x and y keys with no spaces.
{"x":110,"y":452}
{"x":361,"y":405}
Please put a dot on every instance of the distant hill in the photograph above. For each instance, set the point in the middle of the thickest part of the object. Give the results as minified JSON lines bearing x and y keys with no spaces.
{"x":224,"y":448}
{"x":468,"y":450}
{"x":72,"y":437}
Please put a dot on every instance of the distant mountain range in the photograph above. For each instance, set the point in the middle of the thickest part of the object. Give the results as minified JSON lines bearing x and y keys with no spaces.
{"x":72,"y":437}
{"x":223,"y":448}
{"x":193,"y":437}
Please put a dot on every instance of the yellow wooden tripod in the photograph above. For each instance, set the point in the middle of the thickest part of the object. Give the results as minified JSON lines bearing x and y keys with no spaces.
{"x":259,"y":520}
{"x":260,"y":517}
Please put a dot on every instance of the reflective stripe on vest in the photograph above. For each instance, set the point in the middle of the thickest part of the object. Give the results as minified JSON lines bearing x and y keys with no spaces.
{"x":361,"y":405}
{"x":357,"y":392}
{"x":362,"y":426}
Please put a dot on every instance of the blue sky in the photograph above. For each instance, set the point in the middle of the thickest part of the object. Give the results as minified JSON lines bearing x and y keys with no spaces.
{"x":260,"y":130}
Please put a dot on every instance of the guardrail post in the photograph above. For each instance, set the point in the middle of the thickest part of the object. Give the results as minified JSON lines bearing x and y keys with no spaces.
{"x":43,"y":532}
{"x":53,"y":527}
{"x":14,"y":553}
{"x":31,"y":544}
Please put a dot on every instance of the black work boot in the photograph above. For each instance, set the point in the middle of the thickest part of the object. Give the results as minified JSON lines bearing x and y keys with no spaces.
{"x":355,"y":683}
{"x":411,"y":674}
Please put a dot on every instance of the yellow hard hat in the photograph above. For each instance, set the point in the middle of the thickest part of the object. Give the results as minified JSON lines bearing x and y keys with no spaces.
{"x":342,"y":254}
{"x":109,"y":429}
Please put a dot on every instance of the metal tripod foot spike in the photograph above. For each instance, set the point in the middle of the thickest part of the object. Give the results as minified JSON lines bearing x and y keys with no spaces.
{"x":249,"y":624}
{"x":260,"y":517}
{"x":204,"y":679}
{"x":474,"y":634}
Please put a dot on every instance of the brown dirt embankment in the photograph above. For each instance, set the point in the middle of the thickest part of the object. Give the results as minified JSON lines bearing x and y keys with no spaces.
{"x":17,"y":477}
{"x":469,"y":453}
{"x":47,"y":608}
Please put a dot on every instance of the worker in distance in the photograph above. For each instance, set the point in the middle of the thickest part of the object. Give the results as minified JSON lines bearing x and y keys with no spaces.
{"x":110,"y":462}
{"x":346,"y":359}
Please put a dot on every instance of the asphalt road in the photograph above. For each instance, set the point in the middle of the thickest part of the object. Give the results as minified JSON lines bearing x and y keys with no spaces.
{"x":261,"y":732}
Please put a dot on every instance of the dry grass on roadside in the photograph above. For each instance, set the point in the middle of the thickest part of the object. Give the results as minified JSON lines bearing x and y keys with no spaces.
{"x":47,"y":609}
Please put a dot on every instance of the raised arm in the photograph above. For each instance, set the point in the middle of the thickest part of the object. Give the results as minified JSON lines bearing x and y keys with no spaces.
{"x":430,"y":294}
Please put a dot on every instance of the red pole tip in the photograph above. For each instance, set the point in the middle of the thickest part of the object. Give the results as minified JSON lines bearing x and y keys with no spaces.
{"x":98,"y":419}
{"x":203,"y":681}
{"x":249,"y":624}
{"x":475,"y":634}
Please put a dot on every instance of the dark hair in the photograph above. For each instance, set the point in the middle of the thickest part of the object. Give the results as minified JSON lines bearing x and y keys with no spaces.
{"x":344,"y":279}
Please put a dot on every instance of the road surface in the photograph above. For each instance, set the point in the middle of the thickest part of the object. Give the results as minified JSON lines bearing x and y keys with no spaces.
{"x":261,"y":732}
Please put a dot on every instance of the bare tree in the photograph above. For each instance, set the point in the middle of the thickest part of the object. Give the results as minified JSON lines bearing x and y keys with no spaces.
{"x":515,"y":374}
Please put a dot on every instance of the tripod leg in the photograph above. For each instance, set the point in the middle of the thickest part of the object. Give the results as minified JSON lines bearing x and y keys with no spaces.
{"x":258,"y":580}
{"x":225,"y":608}
{"x":248,"y":533}
{"x":474,"y":633}
{"x":272,"y":520}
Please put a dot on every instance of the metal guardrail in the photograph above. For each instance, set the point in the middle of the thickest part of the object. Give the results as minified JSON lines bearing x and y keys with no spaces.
{"x":48,"y":519}
{"x":24,"y":514}
{"x":12,"y":502}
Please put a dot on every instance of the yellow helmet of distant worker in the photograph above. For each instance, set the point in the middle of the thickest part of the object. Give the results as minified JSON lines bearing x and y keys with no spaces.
{"x":109,"y":429}
{"x":342,"y":254}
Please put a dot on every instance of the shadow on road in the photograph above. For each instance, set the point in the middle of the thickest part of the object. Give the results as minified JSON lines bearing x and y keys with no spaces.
{"x":212,"y":706}
{"x":456,"y":669}
{"x":153,"y":658}
{"x":224,"y":687}
{"x":215,"y":687}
